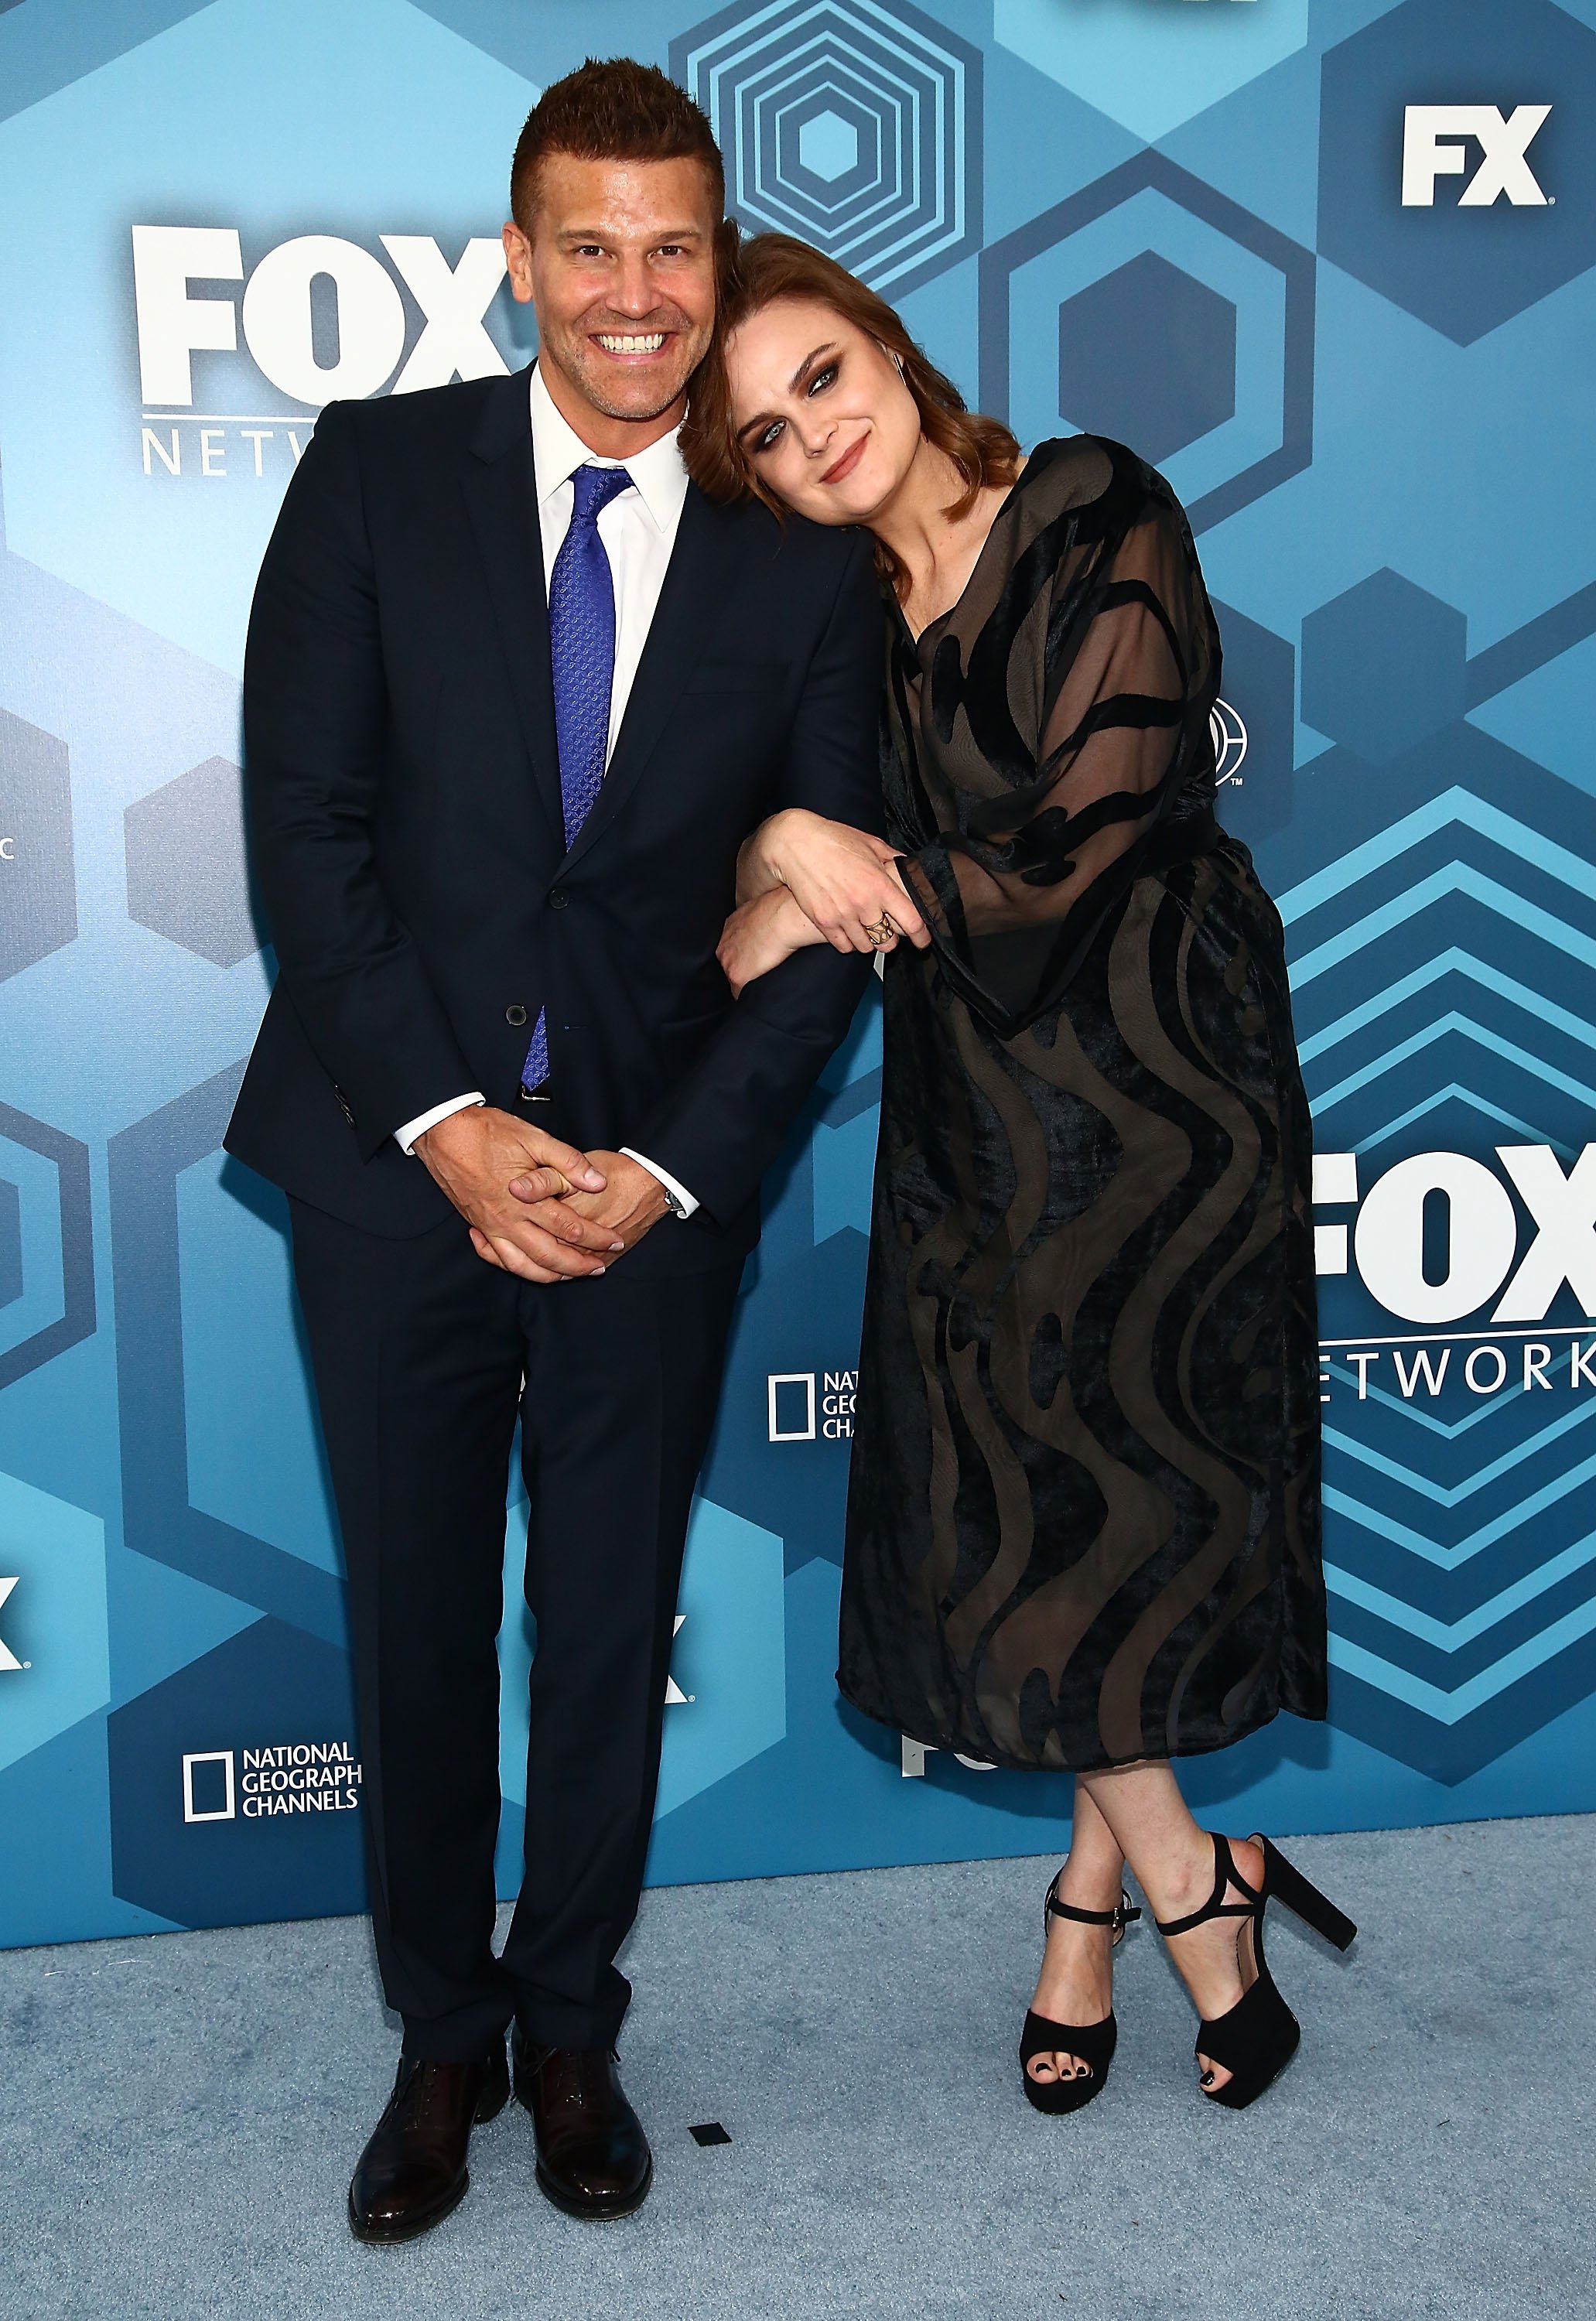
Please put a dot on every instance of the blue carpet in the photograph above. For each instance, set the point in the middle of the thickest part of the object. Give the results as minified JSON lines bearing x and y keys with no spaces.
{"x":179,"y":2113}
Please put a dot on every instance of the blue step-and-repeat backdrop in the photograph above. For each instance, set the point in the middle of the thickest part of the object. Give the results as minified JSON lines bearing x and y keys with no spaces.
{"x":1329,"y":263}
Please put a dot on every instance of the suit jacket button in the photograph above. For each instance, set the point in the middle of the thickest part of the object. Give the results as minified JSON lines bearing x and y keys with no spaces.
{"x":557,"y":899}
{"x":516,"y":1012}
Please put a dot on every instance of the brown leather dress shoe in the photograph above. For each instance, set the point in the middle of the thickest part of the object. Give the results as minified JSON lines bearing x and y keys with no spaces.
{"x":412,"y":2171}
{"x":593,"y":2159}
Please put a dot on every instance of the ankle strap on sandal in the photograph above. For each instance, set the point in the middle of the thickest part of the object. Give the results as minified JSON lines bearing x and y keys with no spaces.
{"x":1119,"y":1917}
{"x":1225,"y":1874}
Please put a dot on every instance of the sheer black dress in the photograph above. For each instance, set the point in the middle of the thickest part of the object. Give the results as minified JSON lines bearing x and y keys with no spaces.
{"x":1083,"y":1517}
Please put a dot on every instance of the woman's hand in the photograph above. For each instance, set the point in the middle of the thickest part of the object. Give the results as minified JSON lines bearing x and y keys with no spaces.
{"x":759,"y":935}
{"x":843,"y":879}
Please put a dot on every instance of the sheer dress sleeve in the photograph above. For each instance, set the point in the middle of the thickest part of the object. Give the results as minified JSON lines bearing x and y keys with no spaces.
{"x":1071,"y":736}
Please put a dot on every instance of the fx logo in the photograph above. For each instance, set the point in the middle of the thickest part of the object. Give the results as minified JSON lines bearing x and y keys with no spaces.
{"x":8,"y":1659}
{"x":673,"y":1691}
{"x":1433,"y":142}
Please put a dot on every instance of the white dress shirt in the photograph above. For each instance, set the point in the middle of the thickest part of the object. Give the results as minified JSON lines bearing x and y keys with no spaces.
{"x":638,"y":529}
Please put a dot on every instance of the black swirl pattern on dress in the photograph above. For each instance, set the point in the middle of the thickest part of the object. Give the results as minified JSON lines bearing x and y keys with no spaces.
{"x":1083,"y":1518}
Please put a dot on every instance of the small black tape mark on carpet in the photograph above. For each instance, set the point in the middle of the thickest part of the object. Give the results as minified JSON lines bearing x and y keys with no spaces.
{"x":709,"y":2131}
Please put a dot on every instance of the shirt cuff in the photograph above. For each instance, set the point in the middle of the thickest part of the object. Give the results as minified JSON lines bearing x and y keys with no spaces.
{"x":680,"y":1192}
{"x":405,"y":1138}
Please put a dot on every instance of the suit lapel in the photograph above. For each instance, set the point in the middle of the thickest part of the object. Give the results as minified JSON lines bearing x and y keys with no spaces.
{"x":711,"y":544}
{"x":501,"y":500}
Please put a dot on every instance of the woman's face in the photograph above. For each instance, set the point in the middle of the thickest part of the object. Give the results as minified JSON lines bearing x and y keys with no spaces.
{"x":821,"y":411}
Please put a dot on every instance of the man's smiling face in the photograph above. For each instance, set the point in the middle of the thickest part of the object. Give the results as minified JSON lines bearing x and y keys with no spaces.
{"x":620,"y":267}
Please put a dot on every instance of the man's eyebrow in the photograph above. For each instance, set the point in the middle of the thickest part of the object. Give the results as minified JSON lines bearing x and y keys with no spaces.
{"x":597,"y":233}
{"x":795,"y":385}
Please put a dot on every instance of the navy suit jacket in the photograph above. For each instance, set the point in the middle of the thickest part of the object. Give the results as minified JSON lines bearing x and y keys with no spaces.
{"x":403,"y":792}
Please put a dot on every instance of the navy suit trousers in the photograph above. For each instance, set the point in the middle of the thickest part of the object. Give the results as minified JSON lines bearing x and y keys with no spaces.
{"x":424,"y":1357}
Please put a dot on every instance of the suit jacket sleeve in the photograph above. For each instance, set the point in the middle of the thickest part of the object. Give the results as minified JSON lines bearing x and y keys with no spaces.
{"x":315,"y":729}
{"x":721,"y":1127}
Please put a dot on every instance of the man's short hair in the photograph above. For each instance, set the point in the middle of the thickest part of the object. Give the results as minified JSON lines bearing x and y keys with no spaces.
{"x":617,"y":110}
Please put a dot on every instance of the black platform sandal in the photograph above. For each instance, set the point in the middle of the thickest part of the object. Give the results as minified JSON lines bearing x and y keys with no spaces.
{"x":1093,"y":2042}
{"x":1258,"y":2037}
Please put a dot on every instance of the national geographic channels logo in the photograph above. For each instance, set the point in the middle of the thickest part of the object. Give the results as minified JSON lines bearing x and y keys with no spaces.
{"x":805,"y":1405}
{"x":322,"y":318}
{"x":295,"y":1776}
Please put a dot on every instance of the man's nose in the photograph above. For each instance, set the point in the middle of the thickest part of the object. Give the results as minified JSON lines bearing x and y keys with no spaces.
{"x":633,"y":291}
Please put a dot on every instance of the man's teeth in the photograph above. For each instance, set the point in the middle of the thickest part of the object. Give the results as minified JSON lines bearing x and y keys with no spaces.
{"x":633,"y":342}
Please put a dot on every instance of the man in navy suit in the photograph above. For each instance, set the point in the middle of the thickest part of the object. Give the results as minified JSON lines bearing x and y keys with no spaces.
{"x":514,"y":694}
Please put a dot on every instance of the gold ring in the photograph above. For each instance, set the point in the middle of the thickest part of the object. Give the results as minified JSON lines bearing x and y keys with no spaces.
{"x":883,"y":931}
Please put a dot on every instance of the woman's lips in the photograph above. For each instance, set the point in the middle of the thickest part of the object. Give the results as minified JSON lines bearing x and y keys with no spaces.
{"x":847,"y":463}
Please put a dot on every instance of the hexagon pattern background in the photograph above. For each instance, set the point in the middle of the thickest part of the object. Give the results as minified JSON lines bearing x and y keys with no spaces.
{"x":36,"y":826}
{"x":855,"y":124}
{"x":187,"y":877}
{"x":1183,"y":225}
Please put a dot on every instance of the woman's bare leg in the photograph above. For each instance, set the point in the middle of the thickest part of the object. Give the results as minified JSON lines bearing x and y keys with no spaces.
{"x":1173,"y":1862}
{"x":1076,"y":1984}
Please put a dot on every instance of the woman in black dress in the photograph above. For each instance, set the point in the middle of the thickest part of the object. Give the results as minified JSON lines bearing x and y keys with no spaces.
{"x":1083,"y":1514}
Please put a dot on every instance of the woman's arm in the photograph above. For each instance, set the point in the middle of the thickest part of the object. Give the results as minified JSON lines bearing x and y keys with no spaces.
{"x":759,"y":935}
{"x":842,"y":879}
{"x":756,"y":873}
{"x":1015,"y":895}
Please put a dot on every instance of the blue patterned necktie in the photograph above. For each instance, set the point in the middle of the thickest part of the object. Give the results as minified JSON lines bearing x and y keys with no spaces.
{"x":582,"y":649}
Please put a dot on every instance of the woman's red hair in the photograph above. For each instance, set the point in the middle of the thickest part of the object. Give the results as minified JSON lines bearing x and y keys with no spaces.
{"x":755,"y":273}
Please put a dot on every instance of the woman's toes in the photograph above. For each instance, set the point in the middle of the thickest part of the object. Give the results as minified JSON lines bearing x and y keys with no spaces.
{"x":1045,"y":2069}
{"x":1210,"y":2075}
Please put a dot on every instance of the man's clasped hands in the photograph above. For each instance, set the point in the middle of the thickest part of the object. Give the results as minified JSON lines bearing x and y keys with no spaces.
{"x":543,"y":1209}
{"x":536,"y":1207}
